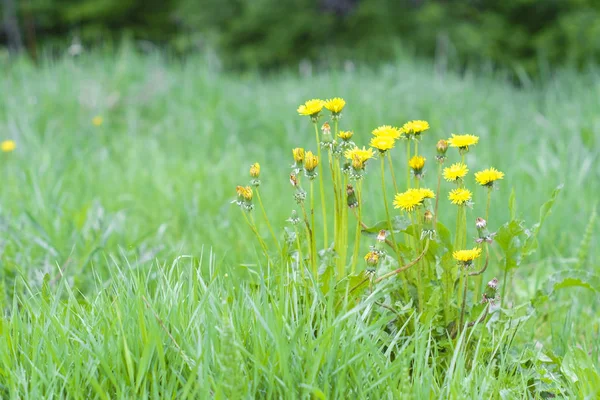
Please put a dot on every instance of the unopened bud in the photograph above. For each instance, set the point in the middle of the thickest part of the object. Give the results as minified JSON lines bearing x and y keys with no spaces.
{"x":326,"y":128}
{"x":293,"y":180}
{"x":441,"y":147}
{"x":372,"y":258}
{"x":351,"y":197}
{"x":480,"y":223}
{"x":381,"y":235}
{"x":428,"y":216}
{"x":298,"y":153}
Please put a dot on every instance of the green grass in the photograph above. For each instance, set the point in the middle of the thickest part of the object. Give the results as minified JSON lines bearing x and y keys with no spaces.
{"x":126,"y":272}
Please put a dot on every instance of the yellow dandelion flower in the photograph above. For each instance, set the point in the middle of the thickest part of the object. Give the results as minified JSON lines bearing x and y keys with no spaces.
{"x":359,"y":156}
{"x":345,"y":135}
{"x":460,"y":196}
{"x":411,"y":199}
{"x":97,"y":120}
{"x":415,"y":127}
{"x":335,"y":105}
{"x":310,"y":161}
{"x":8,"y":145}
{"x":372,"y":258}
{"x":426,"y":193}
{"x":311,"y":107}
{"x":417,"y":163}
{"x":382,"y":143}
{"x":466,"y":256}
{"x":255,"y":170}
{"x":298,"y":154}
{"x":463,"y":141}
{"x":387,"y":130}
{"x":244,"y":192}
{"x":487,"y":177}
{"x":455,"y":172}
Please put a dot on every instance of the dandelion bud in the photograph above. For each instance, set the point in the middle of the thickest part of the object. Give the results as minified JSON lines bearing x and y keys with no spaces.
{"x":326,"y":128}
{"x":428,"y":216}
{"x":310,"y":161}
{"x":298,"y":153}
{"x":480,"y":223}
{"x":441,"y":147}
{"x":493,"y":284}
{"x":490,"y":295}
{"x":244,"y":197}
{"x":351,"y":197}
{"x":372,"y":259}
{"x":381,"y":235}
{"x":417,"y":163}
{"x":255,"y":170}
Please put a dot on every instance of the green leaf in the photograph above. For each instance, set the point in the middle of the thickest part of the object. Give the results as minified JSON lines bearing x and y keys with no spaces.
{"x":567,"y":279}
{"x":512,"y":204}
{"x":444,"y":235}
{"x":399,"y":224}
{"x":508,"y":239}
{"x":531,"y":243}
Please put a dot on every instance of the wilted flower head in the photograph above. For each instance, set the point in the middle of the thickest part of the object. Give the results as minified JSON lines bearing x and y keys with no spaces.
{"x":427,"y":216}
{"x":335,"y":105}
{"x":311,"y":108}
{"x":382,"y":143}
{"x":387,"y":130}
{"x":326,"y":128}
{"x":487,"y":177}
{"x":455,"y":172}
{"x":460,"y":196}
{"x":244,"y":193}
{"x":480,"y":223}
{"x":381,"y":235}
{"x":8,"y":145}
{"x":463,"y":141}
{"x":351,"y":198}
{"x":466,"y":257}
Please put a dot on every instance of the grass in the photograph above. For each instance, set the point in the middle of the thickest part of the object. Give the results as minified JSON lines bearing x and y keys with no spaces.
{"x":126,"y":273}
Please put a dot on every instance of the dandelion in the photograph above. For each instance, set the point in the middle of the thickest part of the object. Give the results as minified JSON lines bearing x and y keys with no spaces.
{"x":487,"y":177}
{"x":254,"y":174}
{"x":382,"y":143}
{"x":345,"y":135}
{"x":480,"y":223}
{"x":97,"y":120}
{"x":412,"y":198}
{"x":335,"y":105}
{"x":372,"y":259}
{"x":311,"y":108}
{"x":415,"y":127}
{"x":455,"y":172}
{"x":310,"y":164}
{"x":463,"y":141}
{"x":466,"y":257}
{"x":387,"y":130}
{"x":417,"y":163}
{"x":255,"y":170}
{"x":8,"y":146}
{"x":460,"y":196}
{"x":244,"y":193}
{"x":359,"y":157}
{"x":298,"y":154}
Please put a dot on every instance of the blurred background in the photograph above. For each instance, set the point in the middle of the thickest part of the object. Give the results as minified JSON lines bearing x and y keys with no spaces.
{"x":523,"y":36}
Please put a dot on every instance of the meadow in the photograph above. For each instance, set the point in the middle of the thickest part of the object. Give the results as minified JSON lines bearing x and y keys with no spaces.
{"x":126,"y":272}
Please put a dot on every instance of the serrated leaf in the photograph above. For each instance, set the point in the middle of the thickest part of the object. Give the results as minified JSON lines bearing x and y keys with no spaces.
{"x":508,"y":239}
{"x":567,"y":279}
{"x":444,"y":235}
{"x":531,"y":242}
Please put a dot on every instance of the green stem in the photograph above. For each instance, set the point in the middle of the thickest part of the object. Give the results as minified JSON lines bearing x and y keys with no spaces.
{"x":392,"y":172}
{"x":479,"y":278}
{"x":322,"y":188}
{"x":437,"y":196}
{"x":407,"y":160}
{"x":387,"y":209}
{"x":464,"y":302}
{"x":312,"y":223}
{"x":250,"y":222}
{"x":267,"y":221}
{"x":300,"y":256}
{"x":357,"y":236}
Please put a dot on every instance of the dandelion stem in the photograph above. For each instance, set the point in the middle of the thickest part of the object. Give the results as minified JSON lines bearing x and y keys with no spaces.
{"x":464,"y":301}
{"x":300,"y":256}
{"x":357,"y":236}
{"x":405,"y":267}
{"x":312,"y":223}
{"x":250,"y":222}
{"x":267,"y":220}
{"x":437,"y":196}
{"x":387,"y":209}
{"x":479,"y":277}
{"x":322,"y":188}
{"x":392,"y":172}
{"x":310,"y":236}
{"x":407,"y":166}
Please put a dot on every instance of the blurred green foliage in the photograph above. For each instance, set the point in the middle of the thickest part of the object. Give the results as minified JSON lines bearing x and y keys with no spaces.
{"x":273,"y":33}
